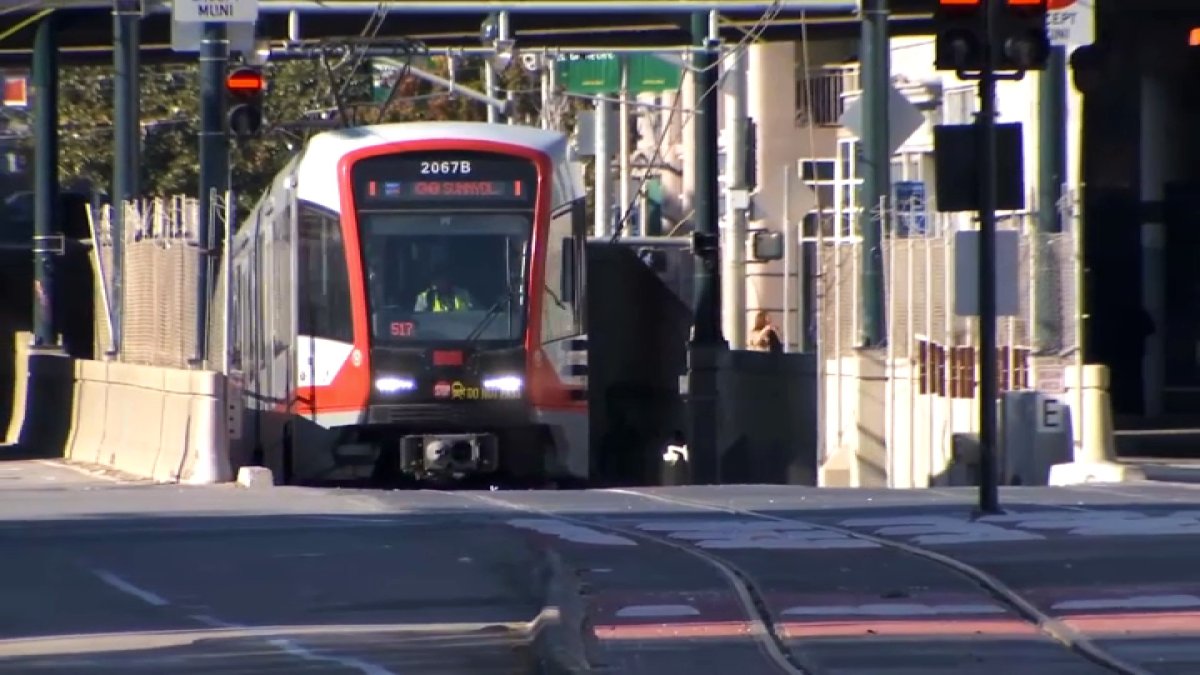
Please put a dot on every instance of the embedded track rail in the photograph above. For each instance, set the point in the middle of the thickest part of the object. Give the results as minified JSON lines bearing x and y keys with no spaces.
{"x":787,"y":654}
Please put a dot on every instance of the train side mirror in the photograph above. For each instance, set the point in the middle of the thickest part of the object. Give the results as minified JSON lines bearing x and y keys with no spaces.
{"x":766,"y":246}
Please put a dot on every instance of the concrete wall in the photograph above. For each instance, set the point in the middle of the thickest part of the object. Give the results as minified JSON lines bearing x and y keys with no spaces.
{"x":769,"y":433}
{"x":880,"y":431}
{"x":163,"y":424}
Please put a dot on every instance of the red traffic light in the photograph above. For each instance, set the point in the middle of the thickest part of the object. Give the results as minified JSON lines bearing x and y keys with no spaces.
{"x":245,"y":81}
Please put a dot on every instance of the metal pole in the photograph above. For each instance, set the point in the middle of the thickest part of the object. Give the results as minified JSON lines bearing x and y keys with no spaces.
{"x":986,"y":125}
{"x":545,"y":6}
{"x":1052,"y":167}
{"x":489,"y":80}
{"x":626,"y":141}
{"x":126,"y":142}
{"x":603,"y":169}
{"x":877,"y":163}
{"x":227,"y":278}
{"x":495,"y":105}
{"x":736,"y":119}
{"x":787,"y":257}
{"x":546,"y":81}
{"x":214,"y":165}
{"x":707,"y":341}
{"x":45,"y":179}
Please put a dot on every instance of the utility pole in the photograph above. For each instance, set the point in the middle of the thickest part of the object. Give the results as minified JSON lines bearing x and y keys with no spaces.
{"x":876,"y":160}
{"x":733,"y":274}
{"x":214,"y":164}
{"x":126,"y":144}
{"x":626,"y":142}
{"x":1052,"y":168}
{"x":47,"y":235}
{"x":708,"y":344}
{"x":603,"y":167}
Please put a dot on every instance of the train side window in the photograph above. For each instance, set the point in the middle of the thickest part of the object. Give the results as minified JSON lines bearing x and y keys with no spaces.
{"x":566,"y":282}
{"x":323,"y":286}
{"x":558,"y":311}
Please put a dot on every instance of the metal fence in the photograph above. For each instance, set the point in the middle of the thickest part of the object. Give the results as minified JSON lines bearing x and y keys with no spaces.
{"x":931,"y":354}
{"x":160,"y":270}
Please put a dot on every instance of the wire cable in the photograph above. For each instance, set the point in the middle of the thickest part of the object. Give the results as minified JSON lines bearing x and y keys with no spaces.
{"x":743,"y":44}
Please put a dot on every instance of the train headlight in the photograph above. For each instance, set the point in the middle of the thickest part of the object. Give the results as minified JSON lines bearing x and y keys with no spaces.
{"x":506,"y":384}
{"x":392,"y":384}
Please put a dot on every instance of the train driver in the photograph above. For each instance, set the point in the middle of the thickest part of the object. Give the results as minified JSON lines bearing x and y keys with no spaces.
{"x":443,"y":296}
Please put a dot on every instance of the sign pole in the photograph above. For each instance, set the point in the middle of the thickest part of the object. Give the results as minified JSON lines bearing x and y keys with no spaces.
{"x":989,"y":500}
{"x":214,"y":165}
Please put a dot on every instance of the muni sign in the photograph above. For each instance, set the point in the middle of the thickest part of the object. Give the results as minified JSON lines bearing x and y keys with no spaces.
{"x":215,"y":11}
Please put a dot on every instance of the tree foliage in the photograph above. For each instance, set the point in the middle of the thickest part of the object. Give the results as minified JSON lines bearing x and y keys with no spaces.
{"x":300,"y":100}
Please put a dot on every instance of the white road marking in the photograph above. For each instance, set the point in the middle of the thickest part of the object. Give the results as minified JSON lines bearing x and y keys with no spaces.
{"x":655,"y":611}
{"x":571,"y":532}
{"x":295,"y":649}
{"x":128,"y":588}
{"x":753,"y":534}
{"x":932,"y":529}
{"x":1135,"y":602}
{"x":939,"y":529}
{"x":893,"y":609}
{"x":308,"y":655}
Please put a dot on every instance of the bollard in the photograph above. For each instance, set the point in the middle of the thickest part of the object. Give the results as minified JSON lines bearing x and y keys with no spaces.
{"x":1095,"y":452}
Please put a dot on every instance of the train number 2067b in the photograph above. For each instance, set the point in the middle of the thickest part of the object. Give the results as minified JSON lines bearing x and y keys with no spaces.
{"x":446,"y":168}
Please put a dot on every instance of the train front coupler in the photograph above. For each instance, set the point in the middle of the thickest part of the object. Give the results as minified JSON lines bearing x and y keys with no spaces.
{"x":457,"y":454}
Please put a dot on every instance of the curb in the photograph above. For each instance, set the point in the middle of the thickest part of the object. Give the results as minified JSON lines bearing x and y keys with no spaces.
{"x":561,"y":635}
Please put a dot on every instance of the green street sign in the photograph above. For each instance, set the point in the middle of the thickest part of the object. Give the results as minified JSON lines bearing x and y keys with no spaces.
{"x":601,"y":73}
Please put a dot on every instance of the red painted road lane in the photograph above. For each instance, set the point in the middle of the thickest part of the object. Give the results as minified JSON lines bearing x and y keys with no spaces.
{"x":717,"y":614}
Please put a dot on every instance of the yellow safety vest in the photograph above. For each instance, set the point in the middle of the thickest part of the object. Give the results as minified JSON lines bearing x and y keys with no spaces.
{"x":434,"y":302}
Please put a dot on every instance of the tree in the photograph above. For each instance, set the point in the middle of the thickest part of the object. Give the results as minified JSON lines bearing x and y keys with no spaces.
{"x":300,"y":100}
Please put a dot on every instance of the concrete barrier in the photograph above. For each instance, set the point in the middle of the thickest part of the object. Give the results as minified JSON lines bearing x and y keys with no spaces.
{"x":1095,"y":456}
{"x":164,"y":424}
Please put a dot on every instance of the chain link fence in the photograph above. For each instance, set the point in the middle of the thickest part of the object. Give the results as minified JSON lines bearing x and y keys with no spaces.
{"x":931,"y":354}
{"x":159,"y":273}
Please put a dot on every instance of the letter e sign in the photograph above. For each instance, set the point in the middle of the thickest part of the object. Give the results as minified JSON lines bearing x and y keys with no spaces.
{"x":1050,"y":415}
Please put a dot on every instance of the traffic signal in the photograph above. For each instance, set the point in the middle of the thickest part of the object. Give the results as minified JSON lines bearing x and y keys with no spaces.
{"x":1021,"y":40}
{"x":961,"y":35}
{"x":245,"y":86}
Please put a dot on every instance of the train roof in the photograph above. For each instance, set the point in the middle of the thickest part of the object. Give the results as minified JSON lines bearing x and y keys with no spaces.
{"x":317,"y":168}
{"x":329,"y":144}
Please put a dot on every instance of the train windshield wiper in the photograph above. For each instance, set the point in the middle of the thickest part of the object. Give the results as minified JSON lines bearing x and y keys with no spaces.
{"x":493,"y":311}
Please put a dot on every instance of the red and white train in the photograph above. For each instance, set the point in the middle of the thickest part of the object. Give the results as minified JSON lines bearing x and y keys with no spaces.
{"x":346,"y":368}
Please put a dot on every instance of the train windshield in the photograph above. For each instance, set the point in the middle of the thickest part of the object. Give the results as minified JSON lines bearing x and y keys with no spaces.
{"x":440,"y":276}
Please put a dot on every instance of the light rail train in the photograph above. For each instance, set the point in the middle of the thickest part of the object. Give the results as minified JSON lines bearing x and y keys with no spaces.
{"x":408,"y":301}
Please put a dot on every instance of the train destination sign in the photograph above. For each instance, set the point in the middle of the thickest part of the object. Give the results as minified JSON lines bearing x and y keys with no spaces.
{"x":454,"y":176}
{"x":446,"y":189}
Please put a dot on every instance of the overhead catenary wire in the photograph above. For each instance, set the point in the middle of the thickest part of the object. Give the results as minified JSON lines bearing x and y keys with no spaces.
{"x":751,"y":35}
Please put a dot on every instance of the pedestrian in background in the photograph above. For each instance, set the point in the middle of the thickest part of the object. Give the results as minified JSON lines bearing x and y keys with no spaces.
{"x":763,"y":336}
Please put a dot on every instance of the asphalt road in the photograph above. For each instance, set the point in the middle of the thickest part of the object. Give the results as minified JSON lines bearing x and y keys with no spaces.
{"x":104,"y":577}
{"x":126,"y":578}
